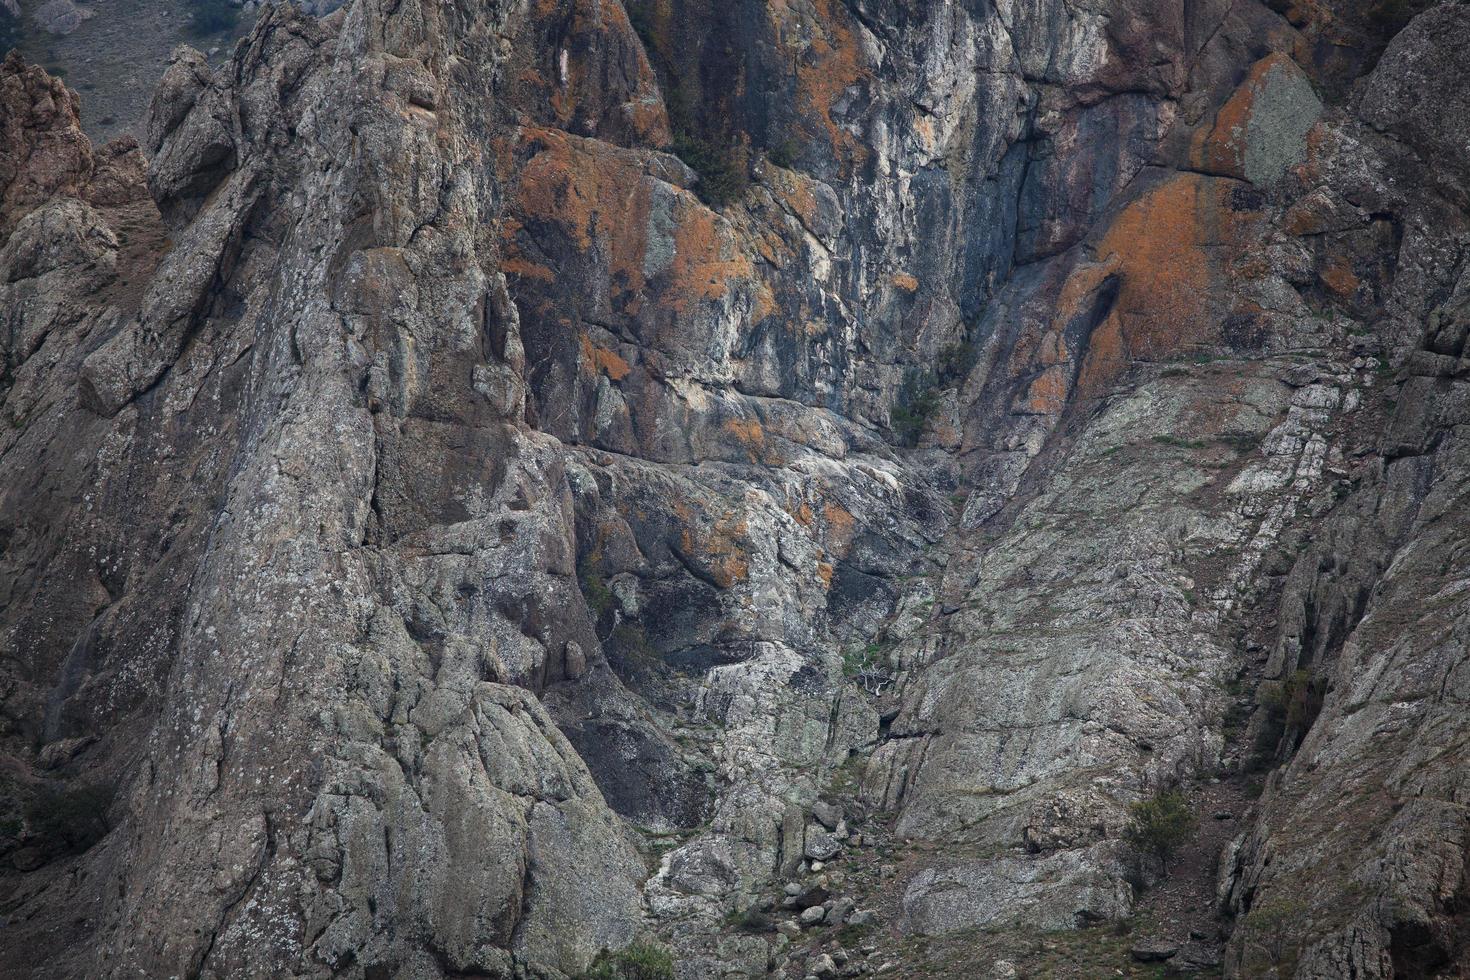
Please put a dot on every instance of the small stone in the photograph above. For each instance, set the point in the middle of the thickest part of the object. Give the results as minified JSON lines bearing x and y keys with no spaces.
{"x":862,"y":917}
{"x":792,"y":888}
{"x":817,"y":865}
{"x":27,"y":859}
{"x":575,"y":660}
{"x":856,"y":840}
{"x":1003,"y":970}
{"x":823,"y":966}
{"x":827,"y":814}
{"x":820,"y":845}
{"x":813,"y":915}
{"x":1153,"y":952}
{"x":788,"y":928}
{"x":1224,"y":815}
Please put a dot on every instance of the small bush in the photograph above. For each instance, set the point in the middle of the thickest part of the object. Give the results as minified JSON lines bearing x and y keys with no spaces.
{"x":957,"y":360}
{"x":640,"y":18}
{"x":70,"y":820}
{"x":784,"y":153}
{"x":752,"y":920}
{"x":639,"y":961}
{"x":866,"y":666}
{"x":918,"y":400}
{"x":1272,"y":929}
{"x":1158,"y":826}
{"x":1392,"y":15}
{"x":599,"y":597}
{"x":723,"y":167}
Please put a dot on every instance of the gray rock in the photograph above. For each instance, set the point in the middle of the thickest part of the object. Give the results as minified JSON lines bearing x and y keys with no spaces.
{"x":819,"y":845}
{"x":827,"y":814}
{"x":1153,"y":952}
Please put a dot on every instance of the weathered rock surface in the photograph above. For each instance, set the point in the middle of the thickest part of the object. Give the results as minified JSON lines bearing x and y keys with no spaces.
{"x":446,"y":532}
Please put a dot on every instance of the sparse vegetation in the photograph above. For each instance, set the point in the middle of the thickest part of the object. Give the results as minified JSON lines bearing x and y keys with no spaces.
{"x":70,"y":820}
{"x":1271,"y":930}
{"x":721,"y":158}
{"x":783,"y":154}
{"x":868,"y":667}
{"x":918,"y":400}
{"x":639,"y":961}
{"x":1291,"y":704}
{"x":1159,"y":825}
{"x":1392,"y":15}
{"x":751,"y":920}
{"x":641,"y":21}
{"x":957,"y":360}
{"x":599,"y":597}
{"x":723,"y":167}
{"x":1178,"y":443}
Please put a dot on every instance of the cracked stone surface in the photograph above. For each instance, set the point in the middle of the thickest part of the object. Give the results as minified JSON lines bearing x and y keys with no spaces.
{"x":440,"y":537}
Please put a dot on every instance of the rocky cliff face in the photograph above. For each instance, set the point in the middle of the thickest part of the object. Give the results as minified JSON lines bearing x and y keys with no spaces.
{"x":485,"y":483}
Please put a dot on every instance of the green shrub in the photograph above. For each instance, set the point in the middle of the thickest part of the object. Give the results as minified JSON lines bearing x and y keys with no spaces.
{"x":1158,"y":826}
{"x":1271,"y":933}
{"x":599,"y":597}
{"x":640,"y":18}
{"x":784,"y":153}
{"x":723,"y":167}
{"x":752,"y":920}
{"x":71,"y":820}
{"x":1392,"y":15}
{"x":639,"y":961}
{"x":868,"y":667}
{"x":957,"y":360}
{"x":918,"y":400}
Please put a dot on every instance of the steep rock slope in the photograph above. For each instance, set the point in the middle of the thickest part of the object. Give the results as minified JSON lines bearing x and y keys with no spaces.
{"x":464,"y":547}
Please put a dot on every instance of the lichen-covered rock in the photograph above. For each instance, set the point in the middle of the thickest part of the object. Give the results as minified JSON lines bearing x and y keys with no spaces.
{"x":469,"y":496}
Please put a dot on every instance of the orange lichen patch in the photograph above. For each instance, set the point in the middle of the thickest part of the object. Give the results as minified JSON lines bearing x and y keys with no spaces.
{"x":1341,"y":279}
{"x":526,"y":269}
{"x":765,"y":302}
{"x":595,"y":359}
{"x":719,"y":549}
{"x":840,"y":527}
{"x":794,"y":191}
{"x":828,"y":61}
{"x":1321,"y":147}
{"x":1160,"y":247}
{"x":748,"y":431}
{"x":803,"y":513}
{"x":1047,"y":395}
{"x":595,"y":193}
{"x":924,"y":127}
{"x":906,"y":282}
{"x":824,"y":572}
{"x":1221,"y":149}
{"x":705,"y":259}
